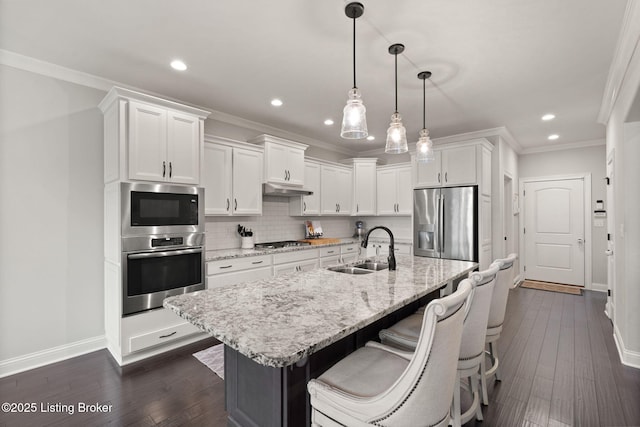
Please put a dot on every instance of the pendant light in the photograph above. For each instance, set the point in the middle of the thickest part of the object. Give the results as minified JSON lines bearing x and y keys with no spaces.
{"x":424,"y":146}
{"x":354,"y":119}
{"x":396,"y":134}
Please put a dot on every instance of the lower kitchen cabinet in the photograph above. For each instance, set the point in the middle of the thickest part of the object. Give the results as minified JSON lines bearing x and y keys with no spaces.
{"x":290,"y":262}
{"x":227,"y":272}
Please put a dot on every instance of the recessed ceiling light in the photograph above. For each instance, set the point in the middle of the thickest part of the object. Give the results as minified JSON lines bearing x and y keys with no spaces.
{"x":328,"y":122}
{"x":371,"y":138}
{"x":178,"y":65}
{"x":276,"y":102}
{"x":548,"y":117}
{"x":553,"y":137}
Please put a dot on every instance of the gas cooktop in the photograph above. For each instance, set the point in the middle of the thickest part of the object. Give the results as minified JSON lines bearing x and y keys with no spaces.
{"x":283,"y":244}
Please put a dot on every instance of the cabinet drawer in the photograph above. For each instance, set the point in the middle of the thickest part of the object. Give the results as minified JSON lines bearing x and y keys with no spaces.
{"x":349,"y":249}
{"x":227,"y":279}
{"x":235,"y":264}
{"x":295,"y":256}
{"x":161,"y":336}
{"x":329,"y":260}
{"x":330,"y":251}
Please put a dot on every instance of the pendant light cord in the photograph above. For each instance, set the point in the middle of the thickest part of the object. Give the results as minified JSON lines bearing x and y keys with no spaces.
{"x":354,"y":53}
{"x":424,"y":103}
{"x":396,"y":56}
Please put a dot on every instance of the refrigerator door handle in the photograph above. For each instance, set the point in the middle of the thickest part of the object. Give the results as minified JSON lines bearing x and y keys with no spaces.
{"x":441,"y":227}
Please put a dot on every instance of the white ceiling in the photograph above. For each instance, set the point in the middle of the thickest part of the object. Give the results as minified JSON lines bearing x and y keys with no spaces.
{"x":495,"y":62}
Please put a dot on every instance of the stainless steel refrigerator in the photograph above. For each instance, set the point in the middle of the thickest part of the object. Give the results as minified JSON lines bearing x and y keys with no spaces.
{"x":445,"y":223}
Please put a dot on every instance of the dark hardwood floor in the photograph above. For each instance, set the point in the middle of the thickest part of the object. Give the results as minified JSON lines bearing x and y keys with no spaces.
{"x":560,"y":367}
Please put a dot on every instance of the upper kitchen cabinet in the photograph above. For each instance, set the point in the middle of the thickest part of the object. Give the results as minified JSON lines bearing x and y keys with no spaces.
{"x":335,"y":189}
{"x":283,"y":160}
{"x":465,"y":163}
{"x":395,"y":191}
{"x":308,"y":205}
{"x":364,"y":185}
{"x":232,"y":180}
{"x":151,"y":139}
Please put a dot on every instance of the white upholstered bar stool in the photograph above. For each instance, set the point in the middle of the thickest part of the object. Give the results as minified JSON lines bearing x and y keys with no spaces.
{"x":382,"y":386}
{"x":473,"y":341}
{"x":504,"y":282}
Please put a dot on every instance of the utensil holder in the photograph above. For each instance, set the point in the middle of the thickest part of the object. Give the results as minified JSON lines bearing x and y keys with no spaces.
{"x":247,"y":242}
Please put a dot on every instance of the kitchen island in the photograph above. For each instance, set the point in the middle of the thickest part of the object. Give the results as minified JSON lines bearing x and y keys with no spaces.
{"x":281,"y":332}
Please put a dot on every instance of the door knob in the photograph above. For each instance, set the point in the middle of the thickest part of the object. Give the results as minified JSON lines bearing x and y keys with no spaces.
{"x":608,"y":252}
{"x":580,"y":241}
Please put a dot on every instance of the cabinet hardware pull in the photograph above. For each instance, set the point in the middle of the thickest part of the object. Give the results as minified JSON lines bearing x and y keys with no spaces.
{"x":235,"y":201}
{"x":349,"y":249}
{"x":170,"y":170}
{"x":257,"y":262}
{"x":330,"y":252}
{"x":228,"y":204}
{"x":357,"y":207}
{"x":445,"y":177}
{"x":304,"y":206}
{"x":338,"y":207}
{"x":226,"y":266}
{"x":164,"y":168}
{"x":438,"y":177}
{"x":285,"y":174}
{"x":168,"y":335}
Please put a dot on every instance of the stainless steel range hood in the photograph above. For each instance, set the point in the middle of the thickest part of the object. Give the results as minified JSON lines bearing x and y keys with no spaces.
{"x":270,"y":189}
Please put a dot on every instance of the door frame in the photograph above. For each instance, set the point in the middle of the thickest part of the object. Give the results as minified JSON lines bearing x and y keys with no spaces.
{"x":586,"y":178}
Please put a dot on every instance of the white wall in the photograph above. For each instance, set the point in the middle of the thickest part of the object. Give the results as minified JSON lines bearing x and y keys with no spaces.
{"x":51,"y":291}
{"x":577,"y":161}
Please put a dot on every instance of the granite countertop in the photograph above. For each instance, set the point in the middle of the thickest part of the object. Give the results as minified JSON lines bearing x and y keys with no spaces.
{"x":279,"y":321}
{"x":220,"y":254}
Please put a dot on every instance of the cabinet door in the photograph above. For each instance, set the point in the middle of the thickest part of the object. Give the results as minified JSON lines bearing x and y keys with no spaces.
{"x":276,"y":163}
{"x":459,"y":166}
{"x":328,"y":190}
{"x":344,"y":191}
{"x":147,"y":142}
{"x":279,"y":269}
{"x":308,"y":265}
{"x":386,"y":190}
{"x":365,"y":189}
{"x":311,"y":204}
{"x":183,"y":148}
{"x":247,"y":182}
{"x":404,"y":192}
{"x":217,"y":179}
{"x":295,"y":166}
{"x":429,"y":174}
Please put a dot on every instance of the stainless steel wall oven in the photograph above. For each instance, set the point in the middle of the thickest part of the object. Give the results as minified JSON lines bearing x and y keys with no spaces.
{"x":162,"y":243}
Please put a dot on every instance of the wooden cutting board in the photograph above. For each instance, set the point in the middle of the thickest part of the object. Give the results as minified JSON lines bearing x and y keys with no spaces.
{"x":321,"y":241}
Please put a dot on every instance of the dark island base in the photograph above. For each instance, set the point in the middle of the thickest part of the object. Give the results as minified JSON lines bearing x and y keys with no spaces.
{"x":261,"y":396}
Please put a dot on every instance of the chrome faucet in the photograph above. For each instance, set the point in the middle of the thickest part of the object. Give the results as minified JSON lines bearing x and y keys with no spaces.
{"x":392,"y":255}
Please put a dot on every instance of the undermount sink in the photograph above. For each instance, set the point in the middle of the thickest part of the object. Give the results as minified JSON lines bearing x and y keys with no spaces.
{"x":371,"y":265}
{"x":350,"y":270}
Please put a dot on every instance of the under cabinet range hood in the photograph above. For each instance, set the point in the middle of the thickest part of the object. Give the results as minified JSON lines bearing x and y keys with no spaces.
{"x":271,"y":189}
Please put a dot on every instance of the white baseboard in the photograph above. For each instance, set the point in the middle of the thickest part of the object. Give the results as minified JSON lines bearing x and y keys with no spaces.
{"x":598,"y":287}
{"x":51,"y":355}
{"x":516,"y":281}
{"x":627,"y":357}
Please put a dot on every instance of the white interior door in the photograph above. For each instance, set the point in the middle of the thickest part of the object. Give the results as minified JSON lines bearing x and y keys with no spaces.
{"x":554,"y":231}
{"x":611,"y":263}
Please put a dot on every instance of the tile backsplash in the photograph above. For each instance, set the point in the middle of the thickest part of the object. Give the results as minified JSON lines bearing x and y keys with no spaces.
{"x":275,"y":224}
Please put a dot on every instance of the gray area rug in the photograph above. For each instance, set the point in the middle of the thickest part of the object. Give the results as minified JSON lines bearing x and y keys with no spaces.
{"x":213,"y":358}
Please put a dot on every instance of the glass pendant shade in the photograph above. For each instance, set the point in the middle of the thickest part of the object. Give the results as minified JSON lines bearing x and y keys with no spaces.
{"x":354,"y":119}
{"x":424,"y":147}
{"x":396,"y":136}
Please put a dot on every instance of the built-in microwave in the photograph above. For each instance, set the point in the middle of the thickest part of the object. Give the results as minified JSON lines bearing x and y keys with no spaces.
{"x":158,"y":209}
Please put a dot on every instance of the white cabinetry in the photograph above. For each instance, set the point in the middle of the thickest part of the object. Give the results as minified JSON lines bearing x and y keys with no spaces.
{"x":232,"y":178}
{"x":394,"y":190}
{"x":335,"y":190}
{"x":452,"y":166}
{"x":308,"y":205}
{"x":151,"y":139}
{"x":222,"y":273}
{"x":283,"y":160}
{"x":464,"y":163}
{"x":297,"y":261}
{"x":364,"y":186}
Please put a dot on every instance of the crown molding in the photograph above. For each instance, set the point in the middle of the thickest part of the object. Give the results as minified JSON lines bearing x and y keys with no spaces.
{"x":560,"y":147}
{"x":628,"y":43}
{"x":37,"y":66}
